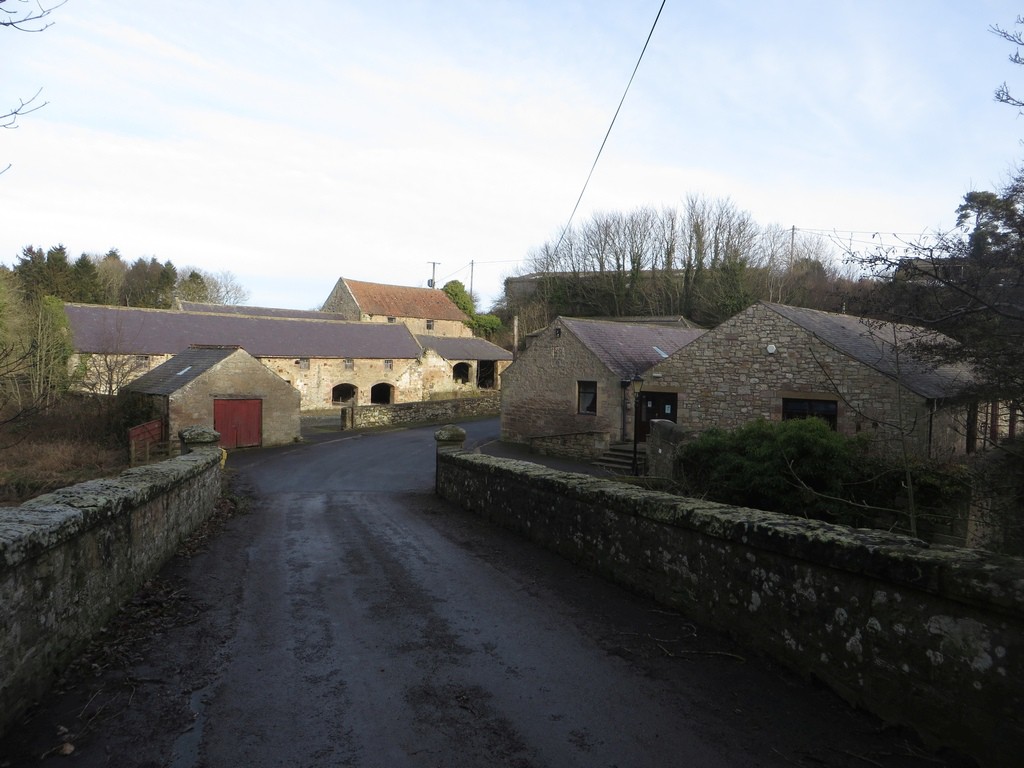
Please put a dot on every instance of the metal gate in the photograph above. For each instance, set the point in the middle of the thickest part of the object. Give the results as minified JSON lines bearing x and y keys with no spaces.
{"x":240,"y":422}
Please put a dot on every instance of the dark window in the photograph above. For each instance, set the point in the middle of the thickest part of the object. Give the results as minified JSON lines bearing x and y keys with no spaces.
{"x":391,"y":319}
{"x":303,"y":363}
{"x":826,"y":410}
{"x":430,"y":325}
{"x":389,"y":365}
{"x":587,"y":395}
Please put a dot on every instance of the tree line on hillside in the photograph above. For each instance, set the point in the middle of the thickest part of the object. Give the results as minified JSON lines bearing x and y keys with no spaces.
{"x":35,"y":340}
{"x":109,"y":279}
{"x":705,"y":261}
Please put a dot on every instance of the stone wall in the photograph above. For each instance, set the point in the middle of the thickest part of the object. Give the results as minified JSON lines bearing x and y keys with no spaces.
{"x":316,"y":377}
{"x":580,"y":445}
{"x":429,"y":412}
{"x":68,"y":560}
{"x":928,"y":637}
{"x":727,"y":377}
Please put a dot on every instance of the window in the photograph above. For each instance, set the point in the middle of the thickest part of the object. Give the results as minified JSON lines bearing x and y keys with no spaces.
{"x":826,"y":410}
{"x":303,"y":363}
{"x":389,"y":365}
{"x":350,"y":364}
{"x":587,"y":396}
{"x":430,"y":325}
{"x":392,"y":320}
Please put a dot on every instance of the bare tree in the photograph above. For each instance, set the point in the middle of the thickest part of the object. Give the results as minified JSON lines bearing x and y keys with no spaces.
{"x":1002,"y":93}
{"x":24,"y":16}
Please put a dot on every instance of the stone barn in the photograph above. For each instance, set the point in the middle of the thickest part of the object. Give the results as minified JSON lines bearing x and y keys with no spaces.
{"x":423,"y":310}
{"x":225,"y":388}
{"x":572,"y":391}
{"x":778,"y":362}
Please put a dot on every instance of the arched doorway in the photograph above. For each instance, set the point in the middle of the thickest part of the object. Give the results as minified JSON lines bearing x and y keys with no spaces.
{"x":460,"y":373}
{"x":380,"y":394}
{"x":344,"y":394}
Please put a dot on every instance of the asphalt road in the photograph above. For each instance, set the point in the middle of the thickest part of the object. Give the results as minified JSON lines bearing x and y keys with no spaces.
{"x":351,"y":618}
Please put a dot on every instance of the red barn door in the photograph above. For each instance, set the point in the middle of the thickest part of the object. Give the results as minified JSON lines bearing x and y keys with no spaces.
{"x":240,"y":422}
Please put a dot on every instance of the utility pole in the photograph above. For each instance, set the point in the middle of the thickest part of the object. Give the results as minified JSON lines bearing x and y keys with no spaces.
{"x":471,"y":279}
{"x":433,"y":273}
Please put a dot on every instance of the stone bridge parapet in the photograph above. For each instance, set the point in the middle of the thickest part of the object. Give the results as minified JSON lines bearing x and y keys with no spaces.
{"x":70,"y":558}
{"x":930,"y":637}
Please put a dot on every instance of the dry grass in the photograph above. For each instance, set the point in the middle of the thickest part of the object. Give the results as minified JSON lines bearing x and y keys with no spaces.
{"x":66,"y":445}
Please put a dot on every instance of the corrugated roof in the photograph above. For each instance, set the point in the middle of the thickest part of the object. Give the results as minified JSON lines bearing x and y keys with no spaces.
{"x":120,"y":330}
{"x":238,"y":309}
{"x":878,"y":345}
{"x":463,"y":348}
{"x":403,"y":301}
{"x":628,"y":349}
{"x":181,"y":369}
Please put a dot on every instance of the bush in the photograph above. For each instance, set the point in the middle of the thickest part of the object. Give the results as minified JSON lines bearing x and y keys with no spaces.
{"x":799,"y":467}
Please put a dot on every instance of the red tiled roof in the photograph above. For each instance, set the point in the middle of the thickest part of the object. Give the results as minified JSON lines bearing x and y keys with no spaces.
{"x":403,"y":301}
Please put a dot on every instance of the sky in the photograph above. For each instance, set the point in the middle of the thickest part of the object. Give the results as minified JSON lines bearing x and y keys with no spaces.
{"x":292,"y":144}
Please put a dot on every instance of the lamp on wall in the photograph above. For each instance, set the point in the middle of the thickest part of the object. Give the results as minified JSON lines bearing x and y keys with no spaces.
{"x":638,"y":387}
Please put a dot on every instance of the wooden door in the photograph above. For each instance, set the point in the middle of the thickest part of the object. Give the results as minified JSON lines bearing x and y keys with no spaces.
{"x":240,"y":422}
{"x":654,"y":405}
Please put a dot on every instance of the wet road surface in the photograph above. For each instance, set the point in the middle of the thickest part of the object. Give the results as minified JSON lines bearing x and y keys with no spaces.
{"x":351,"y":618}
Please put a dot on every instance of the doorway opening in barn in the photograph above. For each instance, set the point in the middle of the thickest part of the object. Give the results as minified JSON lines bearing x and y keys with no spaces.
{"x":381,"y":394}
{"x":344,"y":394}
{"x":460,"y":373}
{"x":485,"y":377}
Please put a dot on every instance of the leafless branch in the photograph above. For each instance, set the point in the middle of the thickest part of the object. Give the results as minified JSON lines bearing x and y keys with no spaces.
{"x":32,"y":19}
{"x":10,"y":120}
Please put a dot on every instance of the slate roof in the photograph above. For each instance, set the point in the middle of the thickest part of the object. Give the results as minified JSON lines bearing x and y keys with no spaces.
{"x":403,"y":301}
{"x":181,"y":369}
{"x":627,"y":349}
{"x":463,"y":348}
{"x":121,"y":330}
{"x":238,"y":309}
{"x":877,"y":344}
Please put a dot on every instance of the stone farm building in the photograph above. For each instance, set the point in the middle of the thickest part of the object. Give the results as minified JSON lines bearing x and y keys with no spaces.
{"x":779,"y":362}
{"x":328,"y":359}
{"x":227,"y":388}
{"x":572,"y":391}
{"x":423,"y":310}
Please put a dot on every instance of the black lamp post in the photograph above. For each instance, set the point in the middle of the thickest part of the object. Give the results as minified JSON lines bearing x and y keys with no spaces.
{"x":637,"y":390}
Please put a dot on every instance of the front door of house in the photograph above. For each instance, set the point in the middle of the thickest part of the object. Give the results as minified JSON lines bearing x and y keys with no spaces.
{"x":654,"y":405}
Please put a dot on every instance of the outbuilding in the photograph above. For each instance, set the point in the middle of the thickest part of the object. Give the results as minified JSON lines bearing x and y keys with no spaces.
{"x":862,"y":377}
{"x":222,"y":387}
{"x":575,"y":389}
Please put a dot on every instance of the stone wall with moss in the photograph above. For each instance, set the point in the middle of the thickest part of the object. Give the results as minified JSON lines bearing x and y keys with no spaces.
{"x":929,"y":637}
{"x":485,"y":405}
{"x":70,"y":558}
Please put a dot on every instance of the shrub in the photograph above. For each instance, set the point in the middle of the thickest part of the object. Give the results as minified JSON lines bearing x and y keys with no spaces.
{"x":798,"y":467}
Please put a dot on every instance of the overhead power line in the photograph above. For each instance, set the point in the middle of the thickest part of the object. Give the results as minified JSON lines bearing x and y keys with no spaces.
{"x":610,"y":126}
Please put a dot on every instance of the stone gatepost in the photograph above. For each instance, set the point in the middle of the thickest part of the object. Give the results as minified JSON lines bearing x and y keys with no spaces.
{"x":449,"y":438}
{"x":198,"y":437}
